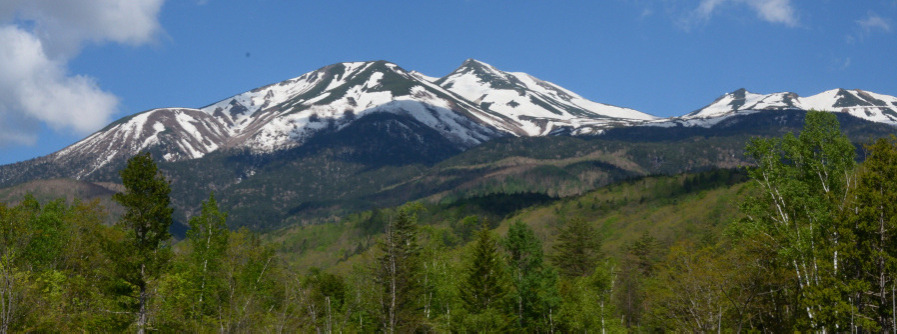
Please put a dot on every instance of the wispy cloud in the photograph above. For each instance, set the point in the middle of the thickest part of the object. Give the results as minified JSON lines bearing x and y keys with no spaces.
{"x":842,"y":64}
{"x":866,"y":26}
{"x":772,"y":11}
{"x":37,"y":40}
{"x":874,"y":22}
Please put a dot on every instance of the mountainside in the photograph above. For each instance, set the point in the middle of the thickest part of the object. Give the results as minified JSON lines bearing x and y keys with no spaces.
{"x":858,"y":103}
{"x":354,"y":136}
{"x":471,"y":105}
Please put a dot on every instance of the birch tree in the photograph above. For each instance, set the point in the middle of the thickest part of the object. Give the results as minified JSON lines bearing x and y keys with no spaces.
{"x":803,"y":184}
{"x":207,"y":237}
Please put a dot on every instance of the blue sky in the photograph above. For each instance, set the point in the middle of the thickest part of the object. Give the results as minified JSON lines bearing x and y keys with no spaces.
{"x":68,"y":70}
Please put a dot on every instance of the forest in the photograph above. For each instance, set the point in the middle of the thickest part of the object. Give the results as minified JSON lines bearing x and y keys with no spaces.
{"x":810,"y":244}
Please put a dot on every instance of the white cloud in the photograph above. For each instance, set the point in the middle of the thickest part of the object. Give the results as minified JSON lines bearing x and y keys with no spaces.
{"x":874,"y":22}
{"x":38,"y":38}
{"x":773,"y":11}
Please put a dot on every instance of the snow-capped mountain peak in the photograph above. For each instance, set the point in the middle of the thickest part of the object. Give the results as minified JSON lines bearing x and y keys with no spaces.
{"x":539,"y":106}
{"x":866,"y":105}
{"x":288,"y":113}
{"x":743,"y":100}
{"x":473,"y":104}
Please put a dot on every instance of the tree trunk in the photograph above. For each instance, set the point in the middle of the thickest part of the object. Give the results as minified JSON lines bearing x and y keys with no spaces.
{"x":141,"y":311}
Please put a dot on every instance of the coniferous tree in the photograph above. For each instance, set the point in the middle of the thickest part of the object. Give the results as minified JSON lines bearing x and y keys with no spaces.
{"x":869,"y":249}
{"x":397,"y":273}
{"x":535,"y":292}
{"x":636,"y":268}
{"x":143,"y":254}
{"x":578,"y":248}
{"x":485,"y":289}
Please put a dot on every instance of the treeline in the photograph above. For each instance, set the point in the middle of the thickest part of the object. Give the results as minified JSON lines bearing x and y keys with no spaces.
{"x":816,"y":250}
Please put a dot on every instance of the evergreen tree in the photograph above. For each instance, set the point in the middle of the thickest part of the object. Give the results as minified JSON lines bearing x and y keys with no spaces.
{"x":144,"y":252}
{"x":397,"y":274}
{"x":535,"y":292}
{"x":636,"y":268}
{"x":578,"y":248}
{"x":485,"y":288}
{"x":869,"y":249}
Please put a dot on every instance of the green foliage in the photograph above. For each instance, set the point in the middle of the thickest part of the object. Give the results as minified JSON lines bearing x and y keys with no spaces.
{"x":485,"y":286}
{"x":578,"y":249}
{"x":535,"y":294}
{"x":636,"y":268}
{"x":867,"y":247}
{"x":586,"y":303}
{"x":397,"y":274}
{"x":689,"y":292}
{"x":53,"y":275}
{"x":197,"y":286}
{"x":62,"y":270}
{"x":803,"y":182}
{"x":142,"y":256}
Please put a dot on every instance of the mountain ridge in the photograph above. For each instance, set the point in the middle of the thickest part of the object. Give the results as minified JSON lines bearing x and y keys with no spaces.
{"x":471,"y":105}
{"x":859,"y":103}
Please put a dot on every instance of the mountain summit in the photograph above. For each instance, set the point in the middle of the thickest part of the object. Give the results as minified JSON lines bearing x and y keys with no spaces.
{"x":858,"y":103}
{"x":539,"y":106}
{"x":377,"y":108}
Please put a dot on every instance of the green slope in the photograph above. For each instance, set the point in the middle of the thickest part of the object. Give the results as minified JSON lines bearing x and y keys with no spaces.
{"x":688,"y":206}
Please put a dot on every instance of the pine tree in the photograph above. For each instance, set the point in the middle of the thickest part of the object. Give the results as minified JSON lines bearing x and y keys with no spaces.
{"x":397,"y":273}
{"x":144,"y":252}
{"x":869,"y":229}
{"x":578,"y":248}
{"x":535,"y":292}
{"x":485,"y":288}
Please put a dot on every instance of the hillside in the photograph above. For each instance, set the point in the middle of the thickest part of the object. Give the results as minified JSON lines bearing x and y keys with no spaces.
{"x":671,"y":208}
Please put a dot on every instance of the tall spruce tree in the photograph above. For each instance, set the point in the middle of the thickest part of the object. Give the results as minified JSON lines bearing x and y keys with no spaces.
{"x":397,"y":272}
{"x":485,"y":289}
{"x":144,"y":252}
{"x":869,"y":253}
{"x":535,"y":292}
{"x":578,"y":248}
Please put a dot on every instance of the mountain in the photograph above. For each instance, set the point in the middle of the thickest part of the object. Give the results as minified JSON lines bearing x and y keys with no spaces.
{"x":858,"y":103}
{"x":288,"y":113}
{"x":354,"y":136}
{"x":282,"y":116}
{"x":540,"y":107}
{"x":293,"y":112}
